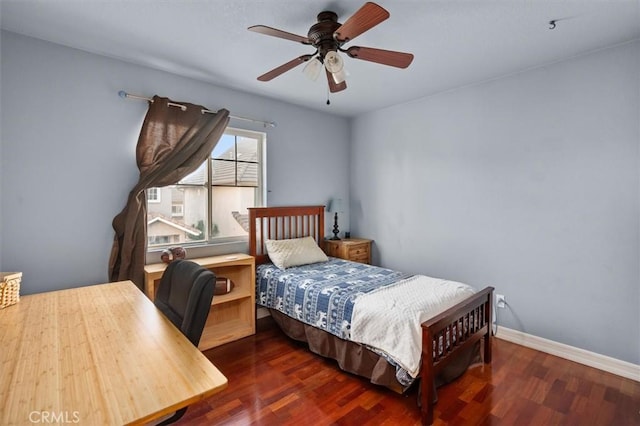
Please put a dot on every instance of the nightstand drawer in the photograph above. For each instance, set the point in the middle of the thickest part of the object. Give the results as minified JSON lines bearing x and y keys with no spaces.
{"x":362,"y":259}
{"x":359,"y":250}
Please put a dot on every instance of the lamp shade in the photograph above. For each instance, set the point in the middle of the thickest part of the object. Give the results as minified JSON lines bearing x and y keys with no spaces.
{"x":333,"y":62}
{"x":335,"y":205}
{"x":312,"y":69}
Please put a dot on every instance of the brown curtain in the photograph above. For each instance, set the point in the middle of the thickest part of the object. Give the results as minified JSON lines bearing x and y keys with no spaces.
{"x":173,"y":142}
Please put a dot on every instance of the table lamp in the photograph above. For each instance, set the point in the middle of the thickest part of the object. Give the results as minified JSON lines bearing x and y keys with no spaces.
{"x":335,"y":206}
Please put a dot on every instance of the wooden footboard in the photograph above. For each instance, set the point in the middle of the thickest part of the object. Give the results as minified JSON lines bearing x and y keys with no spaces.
{"x":446,"y":335}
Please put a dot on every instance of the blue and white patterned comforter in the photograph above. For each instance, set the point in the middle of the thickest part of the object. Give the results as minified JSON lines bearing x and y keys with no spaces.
{"x":321,"y":294}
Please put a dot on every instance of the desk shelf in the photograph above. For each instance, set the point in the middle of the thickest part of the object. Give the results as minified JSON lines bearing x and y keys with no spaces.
{"x":232,"y":315}
{"x":219,"y":299}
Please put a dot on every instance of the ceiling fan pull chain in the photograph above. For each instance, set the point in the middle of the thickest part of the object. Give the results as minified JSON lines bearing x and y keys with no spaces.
{"x":328,"y":101}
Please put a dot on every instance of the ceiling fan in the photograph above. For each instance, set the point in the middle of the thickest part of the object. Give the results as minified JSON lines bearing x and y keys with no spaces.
{"x":328,"y":36}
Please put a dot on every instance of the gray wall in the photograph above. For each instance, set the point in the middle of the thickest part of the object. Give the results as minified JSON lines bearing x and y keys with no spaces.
{"x":529,"y":183}
{"x":68,"y":154}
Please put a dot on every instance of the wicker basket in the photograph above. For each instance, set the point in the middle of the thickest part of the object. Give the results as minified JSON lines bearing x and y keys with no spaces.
{"x":9,"y":288}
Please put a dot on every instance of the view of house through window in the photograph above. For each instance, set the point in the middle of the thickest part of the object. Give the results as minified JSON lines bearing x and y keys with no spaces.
{"x":210,"y":204}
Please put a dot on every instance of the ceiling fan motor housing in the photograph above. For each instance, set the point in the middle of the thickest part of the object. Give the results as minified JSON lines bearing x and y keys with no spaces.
{"x":321,"y":34}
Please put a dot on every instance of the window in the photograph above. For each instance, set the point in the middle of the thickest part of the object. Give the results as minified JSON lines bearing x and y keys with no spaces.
{"x":177,"y":210}
{"x":153,"y":195}
{"x":210,"y":205}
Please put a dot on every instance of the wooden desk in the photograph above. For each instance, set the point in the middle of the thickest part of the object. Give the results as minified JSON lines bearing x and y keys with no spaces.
{"x":97,"y":355}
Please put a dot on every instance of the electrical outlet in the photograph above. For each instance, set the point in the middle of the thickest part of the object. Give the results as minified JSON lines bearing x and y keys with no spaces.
{"x":500,"y":301}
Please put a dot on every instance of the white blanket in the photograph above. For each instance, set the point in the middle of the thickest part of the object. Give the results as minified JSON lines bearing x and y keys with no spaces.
{"x":389,"y":319}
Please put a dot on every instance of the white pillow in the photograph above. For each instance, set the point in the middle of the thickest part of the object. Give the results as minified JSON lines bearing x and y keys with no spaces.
{"x":294,"y":252}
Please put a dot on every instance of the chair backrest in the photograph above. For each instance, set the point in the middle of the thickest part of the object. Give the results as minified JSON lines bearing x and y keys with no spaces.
{"x":184,"y":296}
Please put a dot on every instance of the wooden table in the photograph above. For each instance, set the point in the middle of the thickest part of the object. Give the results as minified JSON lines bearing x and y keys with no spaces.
{"x":96,"y":355}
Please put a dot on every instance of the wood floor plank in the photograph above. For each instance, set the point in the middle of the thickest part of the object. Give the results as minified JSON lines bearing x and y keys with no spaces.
{"x":276,"y":381}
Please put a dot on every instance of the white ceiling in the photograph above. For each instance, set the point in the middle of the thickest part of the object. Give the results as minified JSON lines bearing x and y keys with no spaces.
{"x":455,"y":43}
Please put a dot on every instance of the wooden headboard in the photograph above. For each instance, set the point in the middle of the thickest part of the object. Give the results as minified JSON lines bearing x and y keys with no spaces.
{"x":278,"y":223}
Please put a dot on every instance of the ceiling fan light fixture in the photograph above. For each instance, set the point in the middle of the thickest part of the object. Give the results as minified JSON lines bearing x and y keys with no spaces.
{"x":333,"y":62}
{"x":313,"y":68}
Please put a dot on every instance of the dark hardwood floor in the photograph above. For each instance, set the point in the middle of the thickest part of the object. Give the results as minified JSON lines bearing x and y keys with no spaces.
{"x":276,"y":381}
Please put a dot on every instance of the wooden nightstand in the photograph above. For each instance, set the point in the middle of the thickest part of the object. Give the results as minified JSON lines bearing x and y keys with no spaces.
{"x":355,"y":249}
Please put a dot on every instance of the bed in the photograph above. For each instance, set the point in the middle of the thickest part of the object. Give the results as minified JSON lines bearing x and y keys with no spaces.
{"x":332,"y":317}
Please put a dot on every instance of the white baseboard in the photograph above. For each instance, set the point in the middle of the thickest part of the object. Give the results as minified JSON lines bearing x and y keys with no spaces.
{"x":592,"y":359}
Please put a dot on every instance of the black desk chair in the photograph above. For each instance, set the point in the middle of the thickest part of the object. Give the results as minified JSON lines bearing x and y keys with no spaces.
{"x":184,"y":296}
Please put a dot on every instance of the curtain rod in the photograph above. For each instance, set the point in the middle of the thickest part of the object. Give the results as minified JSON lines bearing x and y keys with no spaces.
{"x":124,"y":94}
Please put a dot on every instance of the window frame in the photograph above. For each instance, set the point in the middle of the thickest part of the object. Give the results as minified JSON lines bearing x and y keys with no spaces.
{"x":178,"y":214}
{"x":153,"y":190}
{"x":259,"y":196}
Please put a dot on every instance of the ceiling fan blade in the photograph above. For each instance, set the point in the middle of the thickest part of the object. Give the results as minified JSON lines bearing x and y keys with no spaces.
{"x":284,"y":68}
{"x":365,"y":18}
{"x":333,"y":86}
{"x":262,"y":29}
{"x":380,"y":56}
